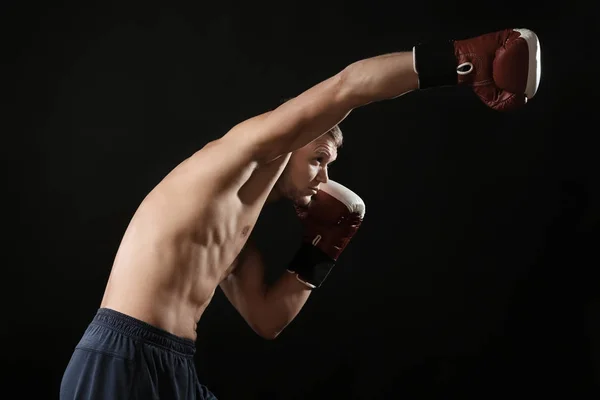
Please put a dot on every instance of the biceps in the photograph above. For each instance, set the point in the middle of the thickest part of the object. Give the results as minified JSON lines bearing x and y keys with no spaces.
{"x":298,"y":121}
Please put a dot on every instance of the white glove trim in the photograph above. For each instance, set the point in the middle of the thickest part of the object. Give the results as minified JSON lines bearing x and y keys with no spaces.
{"x":346,"y":196}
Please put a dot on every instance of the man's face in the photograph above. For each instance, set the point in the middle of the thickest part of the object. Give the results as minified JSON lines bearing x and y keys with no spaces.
{"x":307,"y":170}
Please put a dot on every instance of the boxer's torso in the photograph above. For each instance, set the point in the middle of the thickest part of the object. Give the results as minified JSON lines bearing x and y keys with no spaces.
{"x":185,"y":237}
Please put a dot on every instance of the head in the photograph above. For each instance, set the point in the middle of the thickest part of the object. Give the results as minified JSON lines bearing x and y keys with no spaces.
{"x":308,"y":167}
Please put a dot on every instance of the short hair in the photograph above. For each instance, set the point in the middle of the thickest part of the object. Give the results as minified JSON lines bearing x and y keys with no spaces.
{"x":335,"y":133}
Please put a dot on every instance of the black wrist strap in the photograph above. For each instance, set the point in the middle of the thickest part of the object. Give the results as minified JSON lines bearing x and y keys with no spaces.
{"x":311,"y":265}
{"x":435,"y":63}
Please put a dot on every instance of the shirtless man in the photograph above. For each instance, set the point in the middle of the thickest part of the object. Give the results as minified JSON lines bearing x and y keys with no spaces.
{"x":190,"y":234}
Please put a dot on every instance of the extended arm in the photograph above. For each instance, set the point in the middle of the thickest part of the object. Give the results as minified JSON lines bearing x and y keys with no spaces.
{"x":304,"y":118}
{"x":503,"y":68}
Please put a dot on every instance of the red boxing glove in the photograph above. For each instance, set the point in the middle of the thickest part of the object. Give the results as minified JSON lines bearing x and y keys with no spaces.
{"x":330,"y":221}
{"x":503,"y":68}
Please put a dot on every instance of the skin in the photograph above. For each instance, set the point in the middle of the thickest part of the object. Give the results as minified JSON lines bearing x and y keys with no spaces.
{"x":190,"y":234}
{"x":306,"y":170}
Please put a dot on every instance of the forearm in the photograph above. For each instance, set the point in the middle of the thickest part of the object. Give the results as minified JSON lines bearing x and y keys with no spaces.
{"x":282,"y":303}
{"x":379,"y":78}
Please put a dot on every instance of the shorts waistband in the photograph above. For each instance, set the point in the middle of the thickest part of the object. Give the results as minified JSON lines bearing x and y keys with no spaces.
{"x":143,"y":331}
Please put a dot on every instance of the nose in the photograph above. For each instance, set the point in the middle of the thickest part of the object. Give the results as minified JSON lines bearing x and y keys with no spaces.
{"x":323,"y":175}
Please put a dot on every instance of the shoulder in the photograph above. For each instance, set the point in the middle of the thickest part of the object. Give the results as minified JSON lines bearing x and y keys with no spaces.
{"x":227,"y":160}
{"x":230,"y":160}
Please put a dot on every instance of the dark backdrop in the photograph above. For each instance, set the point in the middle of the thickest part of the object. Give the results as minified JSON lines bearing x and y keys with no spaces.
{"x":473,"y":275}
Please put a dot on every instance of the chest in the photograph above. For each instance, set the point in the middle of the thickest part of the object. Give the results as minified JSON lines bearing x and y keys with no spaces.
{"x":224,"y":236}
{"x":224,"y":229}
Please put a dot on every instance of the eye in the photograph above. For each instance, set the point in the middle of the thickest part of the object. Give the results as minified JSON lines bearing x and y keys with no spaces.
{"x":316,"y":160}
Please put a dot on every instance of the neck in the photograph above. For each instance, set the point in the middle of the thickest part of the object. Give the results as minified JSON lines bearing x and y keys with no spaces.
{"x":274,"y":196}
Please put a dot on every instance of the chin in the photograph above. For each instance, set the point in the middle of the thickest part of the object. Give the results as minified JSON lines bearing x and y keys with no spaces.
{"x":303,"y":201}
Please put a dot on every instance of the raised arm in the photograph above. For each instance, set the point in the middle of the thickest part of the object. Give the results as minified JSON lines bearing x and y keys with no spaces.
{"x":503,"y":68}
{"x":304,"y":118}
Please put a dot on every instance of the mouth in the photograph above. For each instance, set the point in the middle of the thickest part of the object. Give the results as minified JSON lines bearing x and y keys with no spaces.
{"x":314,"y":190}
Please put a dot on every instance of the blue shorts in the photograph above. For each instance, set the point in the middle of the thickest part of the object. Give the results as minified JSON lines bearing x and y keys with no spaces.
{"x":120,"y":357}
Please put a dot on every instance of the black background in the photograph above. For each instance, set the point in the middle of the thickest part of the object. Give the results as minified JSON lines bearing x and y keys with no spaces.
{"x":474,"y":273}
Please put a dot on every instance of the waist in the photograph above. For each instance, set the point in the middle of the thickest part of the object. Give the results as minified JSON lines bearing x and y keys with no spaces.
{"x":174,"y":311}
{"x":169,"y":287}
{"x":142,"y":331}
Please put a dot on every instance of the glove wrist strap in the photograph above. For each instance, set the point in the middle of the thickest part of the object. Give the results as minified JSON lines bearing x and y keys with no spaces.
{"x":435,"y":63}
{"x":311,"y":265}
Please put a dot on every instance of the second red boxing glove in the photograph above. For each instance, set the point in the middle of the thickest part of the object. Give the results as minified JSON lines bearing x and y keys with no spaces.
{"x":330,"y":221}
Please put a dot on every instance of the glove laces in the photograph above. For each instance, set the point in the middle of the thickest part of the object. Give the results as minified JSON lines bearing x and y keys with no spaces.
{"x":464,"y":68}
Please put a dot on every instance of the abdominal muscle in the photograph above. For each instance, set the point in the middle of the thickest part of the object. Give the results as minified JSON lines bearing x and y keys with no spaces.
{"x":167,"y":277}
